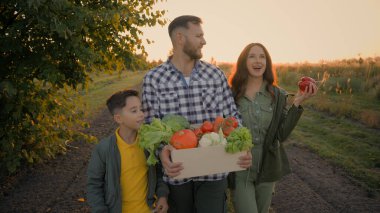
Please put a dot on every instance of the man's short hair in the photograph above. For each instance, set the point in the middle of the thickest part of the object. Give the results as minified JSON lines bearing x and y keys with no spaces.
{"x":182,"y":21}
{"x":118,"y":100}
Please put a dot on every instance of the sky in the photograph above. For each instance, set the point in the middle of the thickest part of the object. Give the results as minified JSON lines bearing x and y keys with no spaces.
{"x":291,"y":30}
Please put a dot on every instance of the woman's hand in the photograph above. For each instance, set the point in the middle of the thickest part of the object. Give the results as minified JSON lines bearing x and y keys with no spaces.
{"x":310,"y":91}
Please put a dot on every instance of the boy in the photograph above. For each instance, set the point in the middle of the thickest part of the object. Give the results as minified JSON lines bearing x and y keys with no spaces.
{"x":118,"y":178}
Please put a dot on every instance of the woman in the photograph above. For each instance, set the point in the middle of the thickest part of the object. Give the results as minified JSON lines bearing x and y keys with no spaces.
{"x":264,"y":110}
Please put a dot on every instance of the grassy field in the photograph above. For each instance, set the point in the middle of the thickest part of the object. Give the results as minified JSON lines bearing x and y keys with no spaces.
{"x":342,"y":122}
{"x":103,"y":86}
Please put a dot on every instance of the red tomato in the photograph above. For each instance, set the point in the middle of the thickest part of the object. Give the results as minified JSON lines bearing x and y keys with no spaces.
{"x":198,"y":132}
{"x":206,"y":127}
{"x":305,"y":82}
{"x":218,"y":123}
{"x":227,"y":130}
{"x":231,"y":121}
{"x":184,"y":139}
{"x":305,"y":78}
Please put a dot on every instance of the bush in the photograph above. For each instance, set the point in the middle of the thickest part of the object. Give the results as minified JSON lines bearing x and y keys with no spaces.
{"x":47,"y":46}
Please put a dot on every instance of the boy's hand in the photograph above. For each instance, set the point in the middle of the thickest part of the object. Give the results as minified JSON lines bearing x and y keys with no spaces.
{"x":245,"y":161}
{"x":161,"y":205}
{"x":171,"y":169}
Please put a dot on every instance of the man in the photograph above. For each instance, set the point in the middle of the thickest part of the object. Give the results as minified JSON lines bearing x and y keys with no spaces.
{"x":197,"y":90}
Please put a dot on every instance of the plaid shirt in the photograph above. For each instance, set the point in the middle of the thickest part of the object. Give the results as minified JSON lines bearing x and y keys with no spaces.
{"x":207,"y":96}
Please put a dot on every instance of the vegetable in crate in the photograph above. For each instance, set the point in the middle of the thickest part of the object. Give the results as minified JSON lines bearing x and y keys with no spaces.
{"x":184,"y":139}
{"x":198,"y":132}
{"x":175,"y":122}
{"x":151,"y":135}
{"x":206,"y":127}
{"x":231,"y":121}
{"x":229,"y":125}
{"x":218,"y":123}
{"x":239,"y":140}
{"x":212,"y":138}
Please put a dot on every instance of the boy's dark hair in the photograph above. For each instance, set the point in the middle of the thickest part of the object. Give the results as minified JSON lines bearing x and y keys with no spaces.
{"x":182,"y":21}
{"x":117,"y":100}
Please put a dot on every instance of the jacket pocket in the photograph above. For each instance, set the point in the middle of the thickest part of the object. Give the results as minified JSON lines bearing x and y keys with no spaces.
{"x":266,"y":115}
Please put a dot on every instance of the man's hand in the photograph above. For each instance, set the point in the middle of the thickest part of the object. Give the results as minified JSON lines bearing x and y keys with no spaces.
{"x":161,"y":205}
{"x":245,"y":161}
{"x":171,"y":169}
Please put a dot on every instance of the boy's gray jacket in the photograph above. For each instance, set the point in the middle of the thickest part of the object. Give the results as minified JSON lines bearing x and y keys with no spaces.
{"x":103,"y":178}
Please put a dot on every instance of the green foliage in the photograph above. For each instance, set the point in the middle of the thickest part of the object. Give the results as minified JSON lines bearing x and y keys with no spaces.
{"x":152,"y":135}
{"x":47,"y":46}
{"x":239,"y":140}
{"x":175,"y":122}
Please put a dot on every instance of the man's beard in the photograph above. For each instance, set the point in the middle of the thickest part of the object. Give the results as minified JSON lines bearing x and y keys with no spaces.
{"x":191,"y":52}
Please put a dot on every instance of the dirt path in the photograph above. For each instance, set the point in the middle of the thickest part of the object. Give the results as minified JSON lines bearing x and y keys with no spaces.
{"x":317,"y":186}
{"x":59,"y":185}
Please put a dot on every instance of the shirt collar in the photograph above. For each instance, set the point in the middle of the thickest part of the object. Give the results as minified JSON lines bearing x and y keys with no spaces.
{"x":121,"y":141}
{"x":263,"y":89}
{"x":196,"y":68}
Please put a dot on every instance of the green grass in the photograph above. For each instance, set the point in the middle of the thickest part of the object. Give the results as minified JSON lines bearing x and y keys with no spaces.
{"x":358,"y":107}
{"x":342,"y":127}
{"x":103,"y":86}
{"x":345,"y":143}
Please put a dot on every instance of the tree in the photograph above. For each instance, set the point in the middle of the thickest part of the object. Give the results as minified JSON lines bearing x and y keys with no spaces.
{"x":48,"y":45}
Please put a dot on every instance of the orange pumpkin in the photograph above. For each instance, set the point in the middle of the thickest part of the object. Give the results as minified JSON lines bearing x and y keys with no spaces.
{"x":184,"y":139}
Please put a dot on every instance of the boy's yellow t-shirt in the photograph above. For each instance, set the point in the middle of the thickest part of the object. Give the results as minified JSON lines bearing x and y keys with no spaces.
{"x":133,"y":176}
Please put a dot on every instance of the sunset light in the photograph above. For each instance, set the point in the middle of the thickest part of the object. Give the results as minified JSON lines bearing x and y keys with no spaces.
{"x":293,"y":30}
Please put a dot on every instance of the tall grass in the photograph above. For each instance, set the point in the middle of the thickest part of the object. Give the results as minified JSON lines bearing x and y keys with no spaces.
{"x":347,"y":88}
